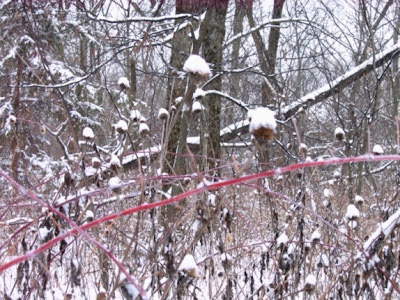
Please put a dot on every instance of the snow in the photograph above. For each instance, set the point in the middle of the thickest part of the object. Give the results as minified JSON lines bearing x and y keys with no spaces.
{"x":303,"y":147}
{"x":121,"y":126}
{"x":195,"y":64}
{"x":226,"y":257}
{"x":211,"y":199}
{"x":178,"y":100}
{"x":88,"y":133}
{"x":123,"y":82}
{"x":89,"y":214}
{"x":197,"y":107}
{"x":12,"y":119}
{"x":261,"y":117}
{"x":328,"y":193}
{"x":311,"y":280}
{"x":135,"y":115}
{"x":337,"y":174}
{"x":199,"y":93}
{"x":43,"y":233}
{"x":377,"y":150}
{"x":282,"y":240}
{"x":358,"y":199}
{"x":352,"y":212}
{"x":323,"y":260}
{"x":310,"y":98}
{"x":188,"y":264}
{"x":115,"y":161}
{"x":316,"y":236}
{"x":129,"y":291}
{"x":143,"y":129}
{"x":163,"y":114}
{"x":385,"y":228}
{"x":114,"y":182}
{"x":339,"y":131}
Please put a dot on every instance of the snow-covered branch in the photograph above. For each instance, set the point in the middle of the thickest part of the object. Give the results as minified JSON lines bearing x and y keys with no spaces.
{"x":139,"y":19}
{"x":341,"y":82}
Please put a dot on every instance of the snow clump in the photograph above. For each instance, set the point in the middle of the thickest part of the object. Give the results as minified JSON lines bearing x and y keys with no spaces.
{"x":163,"y":114}
{"x":262,"y":123}
{"x":121,"y":126}
{"x":188,"y":266}
{"x":196,"y":65}
{"x":377,"y":150}
{"x":282,"y":240}
{"x":115,"y":161}
{"x":114,"y":183}
{"x":339,"y":133}
{"x":199,"y":93}
{"x":197,"y":107}
{"x":359,"y":200}
{"x":352,"y":213}
{"x":123,"y":82}
{"x":316,"y":236}
{"x":135,"y":115}
{"x":12,"y":119}
{"x":144,"y":129}
{"x":310,"y":283}
{"x":88,"y":133}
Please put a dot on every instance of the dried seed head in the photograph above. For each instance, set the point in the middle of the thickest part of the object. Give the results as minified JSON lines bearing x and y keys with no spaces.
{"x":163,"y":114}
{"x":42,"y":130}
{"x":144,"y":129}
{"x":96,"y":163}
{"x":123,"y":83}
{"x":339,"y":134}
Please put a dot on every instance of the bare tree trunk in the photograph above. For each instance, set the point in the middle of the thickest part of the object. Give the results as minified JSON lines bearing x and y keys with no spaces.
{"x":212,"y":50}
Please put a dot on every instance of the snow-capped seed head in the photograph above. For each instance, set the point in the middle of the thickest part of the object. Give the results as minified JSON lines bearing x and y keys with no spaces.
{"x":42,"y":130}
{"x":337,"y":174}
{"x":89,"y":216}
{"x":352,"y":212}
{"x":316,"y":237}
{"x":282,"y":240}
{"x":121,"y":126}
{"x":359,"y":200}
{"x":188,"y":266}
{"x":197,"y":107}
{"x":144,"y":129}
{"x":163,"y":114}
{"x":187,"y":180}
{"x":310,"y":283}
{"x":339,"y":134}
{"x":96,"y":163}
{"x":322,"y":261}
{"x":114,"y":184}
{"x":328,"y":193}
{"x":303,"y":148}
{"x":377,"y":150}
{"x":262,"y":123}
{"x":197,"y":66}
{"x":135,"y":115}
{"x":199,"y":94}
{"x":142,"y":119}
{"x":12,"y":119}
{"x":115,"y":162}
{"x":88,"y":133}
{"x":173,"y":108}
{"x":123,"y":82}
{"x":178,"y":100}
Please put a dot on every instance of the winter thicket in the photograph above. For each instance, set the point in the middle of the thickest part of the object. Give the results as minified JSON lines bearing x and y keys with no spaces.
{"x":180,"y":149}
